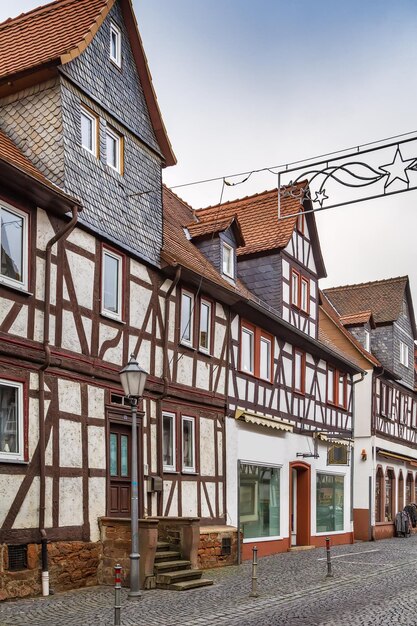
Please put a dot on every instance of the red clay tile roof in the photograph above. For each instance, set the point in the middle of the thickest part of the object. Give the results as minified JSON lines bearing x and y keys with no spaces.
{"x":178,"y":249}
{"x":258,"y":219}
{"x":362,"y":317}
{"x":383,"y":297}
{"x":201,"y":229}
{"x":58,"y":32}
{"x":330,"y":311}
{"x":48,"y":32}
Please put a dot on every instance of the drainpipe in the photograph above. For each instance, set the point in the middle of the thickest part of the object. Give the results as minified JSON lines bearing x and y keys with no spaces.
{"x":47,"y":308}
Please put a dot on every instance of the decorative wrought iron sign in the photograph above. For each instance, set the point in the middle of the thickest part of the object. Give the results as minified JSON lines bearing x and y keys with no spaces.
{"x":338,"y":454}
{"x":350,"y":176}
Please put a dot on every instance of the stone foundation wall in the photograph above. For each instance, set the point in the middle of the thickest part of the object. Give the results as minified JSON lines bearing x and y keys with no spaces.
{"x":72,"y":564}
{"x":211,"y":550}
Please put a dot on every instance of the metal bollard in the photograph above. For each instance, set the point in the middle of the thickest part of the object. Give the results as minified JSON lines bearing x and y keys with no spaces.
{"x":329,"y":562}
{"x":117,"y":593}
{"x":254,"y":593}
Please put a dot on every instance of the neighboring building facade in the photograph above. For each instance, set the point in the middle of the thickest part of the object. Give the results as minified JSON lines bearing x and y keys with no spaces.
{"x":380,"y":316}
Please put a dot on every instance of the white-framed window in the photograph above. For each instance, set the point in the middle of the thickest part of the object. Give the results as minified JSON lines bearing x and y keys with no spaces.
{"x":11,"y":421}
{"x":111,"y":284}
{"x":168,"y":442}
{"x":403,"y":353}
{"x":367,"y":340}
{"x":204,"y":336}
{"x":187,"y":318}
{"x":115,"y":44}
{"x":295,"y":287}
{"x":342,"y":391}
{"x":265,"y":358}
{"x":114,"y":151}
{"x":188,"y":444}
{"x":14,"y":246}
{"x":228,"y":260}
{"x":299,"y":371}
{"x":304,"y":294}
{"x":89,"y":123}
{"x":331,"y":388}
{"x":247,"y":361}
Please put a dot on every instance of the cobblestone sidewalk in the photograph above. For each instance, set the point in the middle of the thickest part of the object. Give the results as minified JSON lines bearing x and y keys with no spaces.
{"x":372,"y":581}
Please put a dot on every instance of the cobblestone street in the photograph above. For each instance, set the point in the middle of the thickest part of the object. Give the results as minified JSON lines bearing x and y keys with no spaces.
{"x":373,"y":583}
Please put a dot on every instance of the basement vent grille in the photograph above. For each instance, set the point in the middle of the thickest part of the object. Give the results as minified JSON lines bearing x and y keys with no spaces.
{"x":226,"y":546}
{"x":17,"y":558}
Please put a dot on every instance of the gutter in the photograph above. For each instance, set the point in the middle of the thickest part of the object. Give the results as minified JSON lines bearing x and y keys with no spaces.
{"x":60,"y":236}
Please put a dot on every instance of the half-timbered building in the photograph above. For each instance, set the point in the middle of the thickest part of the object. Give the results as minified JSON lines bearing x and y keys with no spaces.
{"x":380,"y":318}
{"x":289,"y":396}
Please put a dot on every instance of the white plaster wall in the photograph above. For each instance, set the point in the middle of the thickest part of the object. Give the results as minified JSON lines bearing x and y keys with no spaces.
{"x":96,"y":504}
{"x":363,"y":406}
{"x":220,"y":311}
{"x":97,"y":447}
{"x":83,"y":240}
{"x":5,"y":306}
{"x":219,"y":335}
{"x":44,"y":231}
{"x":140,"y":271}
{"x":207,"y":465}
{"x":38,"y":328}
{"x":69,"y":396}
{"x":139,"y":302}
{"x":70,"y":445}
{"x":261,"y":445}
{"x":9,"y":486}
{"x":70,"y":339}
{"x":211,"y":490}
{"x":28,"y":516}
{"x":95,"y":402}
{"x":82,"y":274}
{"x":185,"y":370}
{"x":173,"y":511}
{"x":20,"y":325}
{"x":71,"y":501}
{"x":114,"y":355}
{"x":202,"y":375}
{"x":189,"y":498}
{"x":363,"y":470}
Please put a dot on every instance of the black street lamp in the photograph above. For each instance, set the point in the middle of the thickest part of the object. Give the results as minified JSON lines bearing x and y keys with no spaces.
{"x":133,"y":379}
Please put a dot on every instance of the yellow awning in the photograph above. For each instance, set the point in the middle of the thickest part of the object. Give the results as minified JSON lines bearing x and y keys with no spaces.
{"x":399,"y":457}
{"x":337,"y":442}
{"x":261,"y":420}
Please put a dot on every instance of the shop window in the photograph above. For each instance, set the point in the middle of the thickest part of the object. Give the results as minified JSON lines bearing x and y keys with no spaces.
{"x":259,"y":501}
{"x":11,"y":421}
{"x":409,"y":489}
{"x":330,"y":503}
{"x":389,"y":495}
{"x":379,"y":487}
{"x":14,"y":247}
{"x":400,"y":492}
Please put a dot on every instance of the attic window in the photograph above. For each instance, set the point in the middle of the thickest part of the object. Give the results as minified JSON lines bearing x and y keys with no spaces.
{"x":228,"y":260}
{"x":403,"y":354}
{"x":115,"y":45}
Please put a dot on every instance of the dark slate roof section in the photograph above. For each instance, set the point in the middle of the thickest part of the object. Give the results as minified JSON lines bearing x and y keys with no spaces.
{"x":383,"y":297}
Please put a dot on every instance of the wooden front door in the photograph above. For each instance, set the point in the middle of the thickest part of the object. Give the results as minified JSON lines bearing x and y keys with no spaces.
{"x":120,"y":439}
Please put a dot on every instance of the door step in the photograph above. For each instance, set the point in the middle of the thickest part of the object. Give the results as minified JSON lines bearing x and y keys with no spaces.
{"x":301,"y":548}
{"x":167,"y":578}
{"x":169,"y":566}
{"x":167,"y":555}
{"x":185,"y":585}
{"x":162,"y":546}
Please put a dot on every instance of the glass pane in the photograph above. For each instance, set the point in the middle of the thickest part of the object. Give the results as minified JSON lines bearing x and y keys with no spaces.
{"x":111,"y":150}
{"x":113,"y":454}
{"x":168,"y":441}
{"x":87,"y":132}
{"x":124,"y":456}
{"x":341,"y":391}
{"x":297,"y":373}
{"x":294,"y":298}
{"x":12,"y":245}
{"x":330,"y":385}
{"x":228,"y":260}
{"x":111,"y":284}
{"x":259,"y":501}
{"x":265,"y":365}
{"x":188,"y":444}
{"x":330,"y":503}
{"x":9,"y":420}
{"x":304,"y":292}
{"x":204,"y":325}
{"x":247,"y":350}
{"x":388,"y":498}
{"x":186,"y":310}
{"x":113,"y":44}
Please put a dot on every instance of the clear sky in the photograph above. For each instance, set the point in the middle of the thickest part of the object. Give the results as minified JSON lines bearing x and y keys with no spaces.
{"x":244,"y":85}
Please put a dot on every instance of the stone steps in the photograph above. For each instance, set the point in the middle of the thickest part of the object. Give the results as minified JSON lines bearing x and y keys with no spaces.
{"x":185,"y":585}
{"x":167,"y":555}
{"x":171,"y":565}
{"x":174,"y":573}
{"x":162,"y":546}
{"x":167,"y":578}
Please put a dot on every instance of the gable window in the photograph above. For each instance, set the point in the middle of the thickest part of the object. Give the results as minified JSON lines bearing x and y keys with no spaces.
{"x":187,"y":318}
{"x":299,"y":366}
{"x":11,"y":421}
{"x":300,"y":291}
{"x":111,"y":287}
{"x":114,"y":152}
{"x":295,"y":287}
{"x":336,"y":387}
{"x":228,"y":260}
{"x":115,"y":45}
{"x":247,"y":357}
{"x":367,"y":340}
{"x":383,"y":408}
{"x":168,"y":442}
{"x":204,"y":336}
{"x":403,"y":354}
{"x":265,"y":358}
{"x":14,"y":247}
{"x":304,"y":294}
{"x":188,"y":444}
{"x":89,"y":123}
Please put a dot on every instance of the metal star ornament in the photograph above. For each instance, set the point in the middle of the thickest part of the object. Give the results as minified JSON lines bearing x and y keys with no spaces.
{"x":397,"y":169}
{"x":321,"y":197}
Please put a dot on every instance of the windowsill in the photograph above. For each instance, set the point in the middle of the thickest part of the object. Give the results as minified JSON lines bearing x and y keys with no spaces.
{"x":13,"y":461}
{"x":107,"y":316}
{"x":262,"y":380}
{"x":92,"y":154}
{"x":21,"y":289}
{"x":300,"y":310}
{"x":258,"y":539}
{"x":189,"y":472}
{"x":203,"y":352}
{"x":169,"y":471}
{"x":328,"y":532}
{"x":115,"y":64}
{"x":188,"y":346}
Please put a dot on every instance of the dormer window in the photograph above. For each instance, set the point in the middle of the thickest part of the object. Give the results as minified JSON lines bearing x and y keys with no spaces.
{"x":367,"y":340}
{"x":403,"y":354}
{"x":228,"y":260}
{"x":114,"y":150}
{"x":89,"y":127}
{"x":115,"y":45}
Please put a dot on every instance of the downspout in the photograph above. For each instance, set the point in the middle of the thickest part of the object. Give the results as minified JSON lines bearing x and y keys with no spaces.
{"x":47,"y":309}
{"x":352,"y":467}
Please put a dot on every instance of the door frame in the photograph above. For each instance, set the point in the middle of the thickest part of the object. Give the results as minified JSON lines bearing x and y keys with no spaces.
{"x":303,"y":535}
{"x":123,"y":415}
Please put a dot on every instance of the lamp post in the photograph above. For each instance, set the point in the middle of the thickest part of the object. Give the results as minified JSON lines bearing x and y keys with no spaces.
{"x":133,"y":379}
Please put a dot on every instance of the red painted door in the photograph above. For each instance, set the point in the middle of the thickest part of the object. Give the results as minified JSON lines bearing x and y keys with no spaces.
{"x":119,"y":470}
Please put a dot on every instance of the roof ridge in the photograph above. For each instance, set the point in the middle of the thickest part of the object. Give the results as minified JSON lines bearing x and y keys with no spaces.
{"x":255,"y":195}
{"x":370,"y":282}
{"x":43,"y":8}
{"x":164,"y":186}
